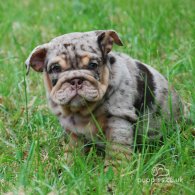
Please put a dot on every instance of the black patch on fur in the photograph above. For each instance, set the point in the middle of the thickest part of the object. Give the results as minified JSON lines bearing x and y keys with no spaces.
{"x":67,"y":45}
{"x":145,"y":88}
{"x":54,"y":81}
{"x":122,"y":91}
{"x":99,"y":40}
{"x":112,"y":60}
{"x":82,"y":47}
{"x":64,"y":53}
{"x":130,"y":119}
{"x":109,"y":115}
{"x":165,"y":92}
{"x":73,"y":48}
{"x":72,"y":120}
{"x":92,"y":49}
{"x":77,"y":59}
{"x":126,"y":82}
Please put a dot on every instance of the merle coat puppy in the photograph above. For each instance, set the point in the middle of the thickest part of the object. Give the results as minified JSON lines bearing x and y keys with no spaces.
{"x":97,"y":93}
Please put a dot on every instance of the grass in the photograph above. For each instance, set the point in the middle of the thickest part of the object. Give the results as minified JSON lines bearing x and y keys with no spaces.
{"x":160,"y":33}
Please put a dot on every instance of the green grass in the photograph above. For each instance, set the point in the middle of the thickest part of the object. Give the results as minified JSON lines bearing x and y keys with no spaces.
{"x":160,"y":33}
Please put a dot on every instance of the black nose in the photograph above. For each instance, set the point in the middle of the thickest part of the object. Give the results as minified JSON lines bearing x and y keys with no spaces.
{"x":76,"y":83}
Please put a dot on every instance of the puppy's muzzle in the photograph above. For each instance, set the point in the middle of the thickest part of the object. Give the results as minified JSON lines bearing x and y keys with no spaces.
{"x":75,"y":83}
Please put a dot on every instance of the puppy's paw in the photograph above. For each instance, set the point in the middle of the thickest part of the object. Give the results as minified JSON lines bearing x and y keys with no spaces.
{"x":118,"y":157}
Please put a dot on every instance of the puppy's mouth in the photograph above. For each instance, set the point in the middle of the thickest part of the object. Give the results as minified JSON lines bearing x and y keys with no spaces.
{"x":75,"y":88}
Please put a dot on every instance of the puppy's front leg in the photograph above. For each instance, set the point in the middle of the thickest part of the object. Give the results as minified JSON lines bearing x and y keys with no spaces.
{"x":72,"y":142}
{"x":120,"y":141}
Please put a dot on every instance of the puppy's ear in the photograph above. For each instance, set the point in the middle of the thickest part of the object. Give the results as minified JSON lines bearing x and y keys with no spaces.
{"x":36,"y":59}
{"x":106,"y":39}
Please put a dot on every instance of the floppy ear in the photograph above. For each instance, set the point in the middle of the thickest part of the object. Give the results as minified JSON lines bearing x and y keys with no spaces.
{"x":106,"y":39}
{"x":36,"y":59}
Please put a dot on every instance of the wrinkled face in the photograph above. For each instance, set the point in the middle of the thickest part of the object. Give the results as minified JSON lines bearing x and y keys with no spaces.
{"x":78,"y":73}
{"x":75,"y":67}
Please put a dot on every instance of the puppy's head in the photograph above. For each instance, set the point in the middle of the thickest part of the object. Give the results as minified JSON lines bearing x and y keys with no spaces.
{"x":75,"y":66}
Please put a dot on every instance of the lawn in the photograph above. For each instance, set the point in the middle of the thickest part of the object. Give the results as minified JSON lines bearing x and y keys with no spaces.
{"x":158,"y":32}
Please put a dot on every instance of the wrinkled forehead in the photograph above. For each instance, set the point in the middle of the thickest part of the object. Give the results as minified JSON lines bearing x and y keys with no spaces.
{"x":74,"y":42}
{"x":77,"y":36}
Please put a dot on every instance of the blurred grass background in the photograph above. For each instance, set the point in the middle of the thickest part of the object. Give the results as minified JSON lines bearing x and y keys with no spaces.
{"x":159,"y":33}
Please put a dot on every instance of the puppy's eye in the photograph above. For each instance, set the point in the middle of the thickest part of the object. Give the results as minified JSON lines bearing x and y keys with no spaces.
{"x":92,"y":66}
{"x":55,"y":68}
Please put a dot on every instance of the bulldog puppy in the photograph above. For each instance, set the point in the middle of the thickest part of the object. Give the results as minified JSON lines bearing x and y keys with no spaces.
{"x":99,"y":95}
